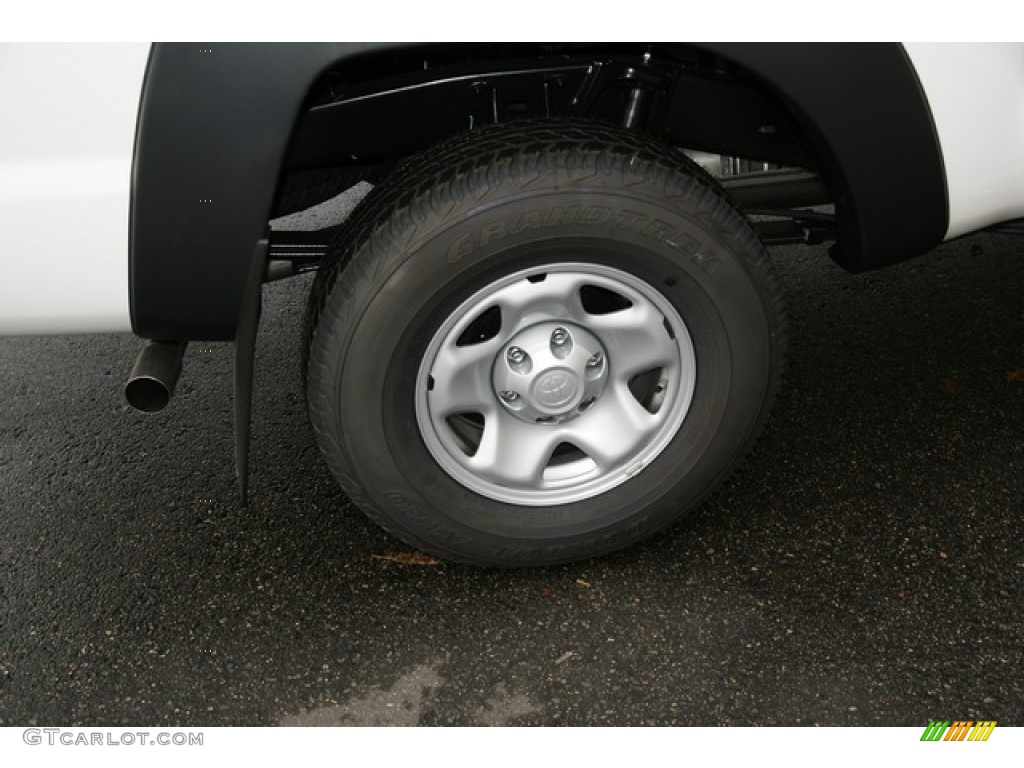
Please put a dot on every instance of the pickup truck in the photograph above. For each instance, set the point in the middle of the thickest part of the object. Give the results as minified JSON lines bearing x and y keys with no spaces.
{"x":550,"y":327}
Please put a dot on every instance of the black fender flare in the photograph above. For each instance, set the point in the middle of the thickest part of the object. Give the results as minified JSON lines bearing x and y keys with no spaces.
{"x":216,"y":120}
{"x":214,"y":125}
{"x":866,"y":118}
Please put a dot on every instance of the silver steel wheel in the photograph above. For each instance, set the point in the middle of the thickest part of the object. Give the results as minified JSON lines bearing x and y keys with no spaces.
{"x":555,"y":384}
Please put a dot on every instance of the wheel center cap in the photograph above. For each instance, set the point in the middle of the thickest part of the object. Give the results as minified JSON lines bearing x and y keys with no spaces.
{"x":555,"y":389}
{"x":550,"y":372}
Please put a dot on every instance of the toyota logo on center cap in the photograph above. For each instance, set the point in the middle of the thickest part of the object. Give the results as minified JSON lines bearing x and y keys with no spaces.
{"x":555,"y":388}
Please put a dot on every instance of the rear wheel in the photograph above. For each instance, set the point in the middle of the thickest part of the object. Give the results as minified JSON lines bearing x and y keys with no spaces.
{"x":540,"y":343}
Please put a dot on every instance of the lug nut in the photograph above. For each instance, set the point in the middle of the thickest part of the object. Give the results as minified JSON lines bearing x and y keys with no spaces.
{"x":509,"y":397}
{"x":559,"y":336}
{"x":516,"y":355}
{"x":596,"y":359}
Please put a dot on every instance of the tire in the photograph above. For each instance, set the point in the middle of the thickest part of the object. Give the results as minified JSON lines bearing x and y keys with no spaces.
{"x":540,"y":343}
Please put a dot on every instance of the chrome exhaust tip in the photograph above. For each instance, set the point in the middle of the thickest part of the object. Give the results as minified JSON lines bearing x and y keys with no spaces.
{"x":152,"y":380}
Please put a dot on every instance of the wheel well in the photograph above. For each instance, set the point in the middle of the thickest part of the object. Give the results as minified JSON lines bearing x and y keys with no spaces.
{"x":849,"y":112}
{"x":366,"y":113}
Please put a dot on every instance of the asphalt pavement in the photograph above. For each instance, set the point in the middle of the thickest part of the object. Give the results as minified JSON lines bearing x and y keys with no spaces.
{"x":864,"y":567}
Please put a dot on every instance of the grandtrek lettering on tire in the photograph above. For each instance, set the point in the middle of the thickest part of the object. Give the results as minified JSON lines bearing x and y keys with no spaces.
{"x":590,"y":215}
{"x":601,"y":362}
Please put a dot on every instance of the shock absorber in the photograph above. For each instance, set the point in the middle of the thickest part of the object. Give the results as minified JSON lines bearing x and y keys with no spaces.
{"x":645,"y":85}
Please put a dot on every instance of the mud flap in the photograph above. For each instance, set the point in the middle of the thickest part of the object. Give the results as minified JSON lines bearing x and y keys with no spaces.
{"x":245,"y":358}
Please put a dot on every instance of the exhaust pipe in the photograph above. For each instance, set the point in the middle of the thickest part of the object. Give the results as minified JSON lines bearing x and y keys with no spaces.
{"x":152,"y":380}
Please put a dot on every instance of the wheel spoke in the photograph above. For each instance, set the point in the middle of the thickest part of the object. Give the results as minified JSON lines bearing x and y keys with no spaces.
{"x":513,"y":453}
{"x":616,"y":428}
{"x":462,"y":379}
{"x":556,"y":296}
{"x":636,"y":340}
